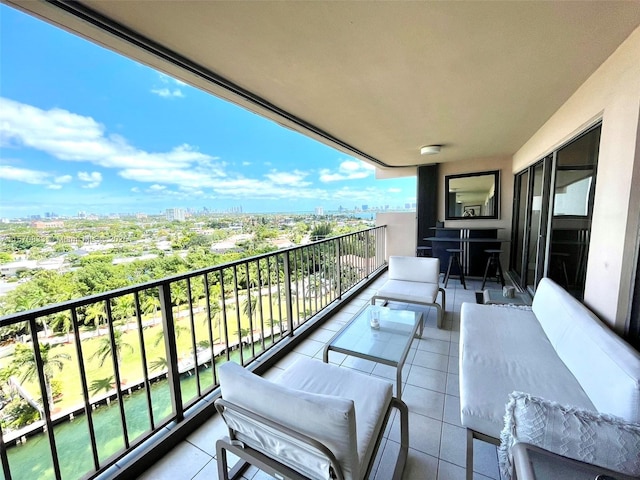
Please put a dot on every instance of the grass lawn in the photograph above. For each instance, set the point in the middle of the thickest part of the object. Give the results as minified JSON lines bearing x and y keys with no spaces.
{"x":130,"y":366}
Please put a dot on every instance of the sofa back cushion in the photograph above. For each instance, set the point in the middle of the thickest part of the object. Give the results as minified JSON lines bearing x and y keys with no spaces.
{"x":414,"y":269}
{"x":607,"y":368}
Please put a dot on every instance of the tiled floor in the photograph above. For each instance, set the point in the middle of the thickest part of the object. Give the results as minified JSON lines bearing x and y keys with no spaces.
{"x":430,"y":389}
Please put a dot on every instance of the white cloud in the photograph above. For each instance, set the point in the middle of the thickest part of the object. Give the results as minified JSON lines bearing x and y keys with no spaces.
{"x":135,"y":190}
{"x":394,"y":190}
{"x":24,"y":175}
{"x":348,"y":170}
{"x":168,"y":93}
{"x":93,"y":179}
{"x":63,"y":179}
{"x":157,"y":188}
{"x":33,"y":177}
{"x":294,"y":179}
{"x":76,"y":138}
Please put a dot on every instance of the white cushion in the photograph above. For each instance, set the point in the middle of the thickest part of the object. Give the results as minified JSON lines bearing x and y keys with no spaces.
{"x":407,"y":291}
{"x":371,"y":397}
{"x":580,"y":434}
{"x":329,"y":419}
{"x":502,"y":350}
{"x":414,"y":269}
{"x":607,"y":368}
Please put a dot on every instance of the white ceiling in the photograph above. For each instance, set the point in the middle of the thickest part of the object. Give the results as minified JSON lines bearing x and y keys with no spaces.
{"x":376,"y":79}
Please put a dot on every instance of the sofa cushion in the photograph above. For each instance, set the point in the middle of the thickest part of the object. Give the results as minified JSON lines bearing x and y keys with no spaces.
{"x":502,"y":350}
{"x":607,"y":368}
{"x":371,"y":396}
{"x":582,"y":435}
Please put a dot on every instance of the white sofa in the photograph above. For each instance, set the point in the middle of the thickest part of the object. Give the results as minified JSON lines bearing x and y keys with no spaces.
{"x":557,"y":350}
{"x":414,"y":280}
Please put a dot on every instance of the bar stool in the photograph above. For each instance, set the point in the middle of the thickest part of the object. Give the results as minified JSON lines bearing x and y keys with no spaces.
{"x":494,"y":259}
{"x":559,"y":262}
{"x":423,"y":252}
{"x":454,"y":258}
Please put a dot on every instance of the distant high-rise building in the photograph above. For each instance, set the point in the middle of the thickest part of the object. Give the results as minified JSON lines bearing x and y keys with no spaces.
{"x":365,"y":208}
{"x":177,"y":214}
{"x":319,"y":211}
{"x":407,"y":206}
{"x":82,"y":214}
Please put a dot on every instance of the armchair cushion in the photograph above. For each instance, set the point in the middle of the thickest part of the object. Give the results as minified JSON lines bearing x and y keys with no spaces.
{"x":573,"y":432}
{"x":319,"y":400}
{"x":404,"y":291}
{"x":327,"y":418}
{"x":414,"y":269}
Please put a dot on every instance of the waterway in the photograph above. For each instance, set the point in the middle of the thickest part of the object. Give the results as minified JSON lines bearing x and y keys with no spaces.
{"x":32,"y":459}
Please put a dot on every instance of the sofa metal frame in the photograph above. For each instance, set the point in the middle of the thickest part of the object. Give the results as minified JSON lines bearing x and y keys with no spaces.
{"x":471,"y":436}
{"x":279,"y":470}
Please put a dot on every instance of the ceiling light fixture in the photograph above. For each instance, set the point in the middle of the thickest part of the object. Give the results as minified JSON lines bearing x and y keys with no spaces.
{"x":430,"y":150}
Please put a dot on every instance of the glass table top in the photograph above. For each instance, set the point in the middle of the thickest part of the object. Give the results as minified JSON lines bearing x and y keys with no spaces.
{"x":389,"y":342}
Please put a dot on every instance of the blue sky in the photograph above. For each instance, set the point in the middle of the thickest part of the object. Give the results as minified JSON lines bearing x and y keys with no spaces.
{"x":85,"y":129}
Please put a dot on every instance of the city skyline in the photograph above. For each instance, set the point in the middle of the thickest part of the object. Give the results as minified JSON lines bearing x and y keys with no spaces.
{"x":83,"y":128}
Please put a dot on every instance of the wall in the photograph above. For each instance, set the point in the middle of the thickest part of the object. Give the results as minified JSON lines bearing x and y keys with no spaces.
{"x":401,"y":232}
{"x":612,"y":94}
{"x":504,"y":164}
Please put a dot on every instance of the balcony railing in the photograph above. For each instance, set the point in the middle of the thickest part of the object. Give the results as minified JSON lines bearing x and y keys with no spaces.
{"x":156,"y":346}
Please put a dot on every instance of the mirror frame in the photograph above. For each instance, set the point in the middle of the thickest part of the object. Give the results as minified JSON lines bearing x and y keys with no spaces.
{"x":496,"y":180}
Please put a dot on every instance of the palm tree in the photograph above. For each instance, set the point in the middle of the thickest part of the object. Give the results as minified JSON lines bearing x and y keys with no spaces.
{"x":150,"y":304}
{"x":250,"y":305}
{"x":124,"y":308}
{"x":214,"y":311}
{"x":101,"y":384}
{"x":95,"y":312}
{"x":179,"y":294}
{"x":62,"y":321}
{"x":25,"y":361}
{"x":159,"y":363}
{"x":34,"y":299}
{"x":104,"y":348}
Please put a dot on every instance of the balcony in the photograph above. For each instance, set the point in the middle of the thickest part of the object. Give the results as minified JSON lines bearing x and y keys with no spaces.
{"x":176,"y":400}
{"x":430,"y":389}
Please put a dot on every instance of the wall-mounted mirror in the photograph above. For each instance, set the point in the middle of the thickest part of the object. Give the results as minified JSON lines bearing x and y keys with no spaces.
{"x":472,"y":195}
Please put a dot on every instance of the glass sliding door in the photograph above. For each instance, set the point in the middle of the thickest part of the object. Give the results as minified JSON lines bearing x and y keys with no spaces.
{"x":537,"y":224}
{"x":574,"y":189}
{"x":519,"y":226}
{"x":552,"y":216}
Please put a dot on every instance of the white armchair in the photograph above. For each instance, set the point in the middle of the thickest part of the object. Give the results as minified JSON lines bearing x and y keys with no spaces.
{"x":316,"y":421}
{"x":414,"y":280}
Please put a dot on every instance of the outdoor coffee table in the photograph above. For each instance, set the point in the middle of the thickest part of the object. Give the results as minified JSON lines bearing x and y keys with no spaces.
{"x":389,"y":344}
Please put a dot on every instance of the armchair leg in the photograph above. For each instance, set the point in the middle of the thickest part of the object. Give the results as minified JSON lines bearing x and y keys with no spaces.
{"x":404,"y":437}
{"x":469,"y":469}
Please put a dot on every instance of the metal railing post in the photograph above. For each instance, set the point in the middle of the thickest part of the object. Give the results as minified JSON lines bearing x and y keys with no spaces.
{"x":367,"y":261}
{"x":45,"y":397}
{"x":171,"y":350}
{"x":287,"y":290}
{"x":339,"y":270}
